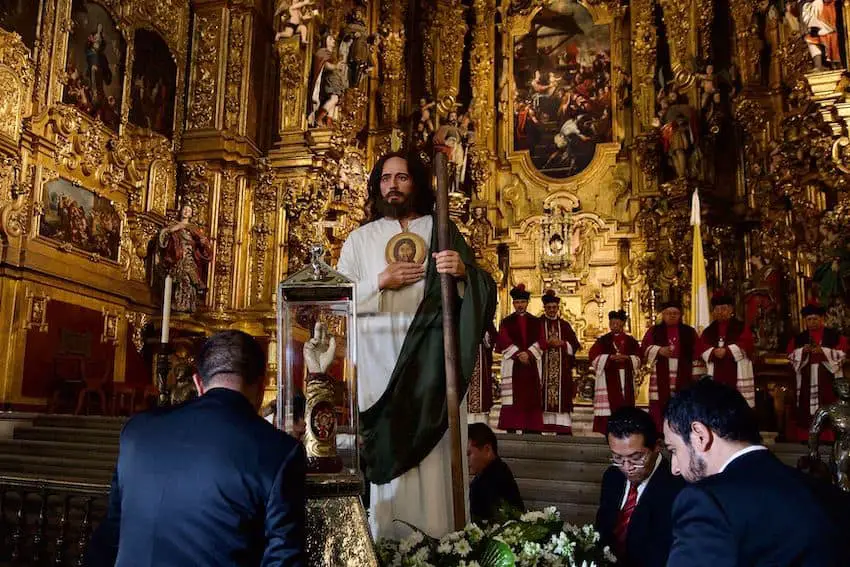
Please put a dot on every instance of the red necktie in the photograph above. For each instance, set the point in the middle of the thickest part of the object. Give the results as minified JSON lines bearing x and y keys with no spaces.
{"x":624,"y":517}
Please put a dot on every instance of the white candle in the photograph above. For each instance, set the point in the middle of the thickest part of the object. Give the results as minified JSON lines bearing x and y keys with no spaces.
{"x":166,"y":309}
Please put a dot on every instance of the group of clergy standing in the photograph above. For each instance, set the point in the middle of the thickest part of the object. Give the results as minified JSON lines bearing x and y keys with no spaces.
{"x":539,"y":354}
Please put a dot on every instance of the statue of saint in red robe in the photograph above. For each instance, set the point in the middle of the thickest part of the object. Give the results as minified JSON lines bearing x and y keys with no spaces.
{"x":669,"y":348}
{"x":480,"y":394}
{"x":520,"y":341}
{"x":727,"y":347}
{"x":615,"y":358}
{"x":559,"y":358}
{"x":817,"y":355}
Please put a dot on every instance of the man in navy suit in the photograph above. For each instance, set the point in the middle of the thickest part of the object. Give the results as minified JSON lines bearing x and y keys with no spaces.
{"x":637,"y":492}
{"x":210,"y":482}
{"x":743,"y":507}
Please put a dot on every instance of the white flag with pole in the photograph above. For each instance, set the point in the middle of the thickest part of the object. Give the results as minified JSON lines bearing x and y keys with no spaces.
{"x":700,"y":312}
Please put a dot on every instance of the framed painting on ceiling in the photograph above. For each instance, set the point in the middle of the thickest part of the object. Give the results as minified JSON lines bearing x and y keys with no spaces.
{"x":76,"y":216}
{"x":562,"y":104}
{"x":96,"y":62}
{"x":153,"y":85}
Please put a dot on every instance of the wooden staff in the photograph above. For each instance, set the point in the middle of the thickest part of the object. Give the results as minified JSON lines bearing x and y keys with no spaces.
{"x":448,"y":291}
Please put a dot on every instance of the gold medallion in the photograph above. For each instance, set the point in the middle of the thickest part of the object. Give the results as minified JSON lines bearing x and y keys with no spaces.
{"x":406,"y":247}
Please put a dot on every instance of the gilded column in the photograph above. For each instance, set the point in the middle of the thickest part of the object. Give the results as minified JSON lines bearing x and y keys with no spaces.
{"x":448,"y":31}
{"x":746,"y":43}
{"x":482,"y":108}
{"x":645,"y":147}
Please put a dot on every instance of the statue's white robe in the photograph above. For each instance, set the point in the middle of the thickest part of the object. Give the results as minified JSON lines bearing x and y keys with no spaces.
{"x":423,"y":495}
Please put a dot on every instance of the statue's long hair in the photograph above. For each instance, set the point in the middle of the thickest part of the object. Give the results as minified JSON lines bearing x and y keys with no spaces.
{"x":423,"y":197}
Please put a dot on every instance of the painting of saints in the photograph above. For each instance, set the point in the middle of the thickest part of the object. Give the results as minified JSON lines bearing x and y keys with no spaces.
{"x":76,"y":216}
{"x":562,"y":73}
{"x":153,"y":85}
{"x":95,"y":67}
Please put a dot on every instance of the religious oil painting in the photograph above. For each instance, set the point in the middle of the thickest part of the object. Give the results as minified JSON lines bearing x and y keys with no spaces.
{"x":95,"y":66}
{"x":21,"y":17}
{"x":153,"y":84}
{"x":76,"y":216}
{"x":562,"y":73}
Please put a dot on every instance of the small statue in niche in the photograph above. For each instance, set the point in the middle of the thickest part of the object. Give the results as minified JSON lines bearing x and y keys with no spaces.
{"x":184,"y":254}
{"x":819,"y":21}
{"x":329,"y":83}
{"x":321,"y":418}
{"x":298,"y":18}
{"x":679,"y":140}
{"x":425,"y":107}
{"x":837,"y":417}
{"x":708,"y":86}
{"x":451,"y":139}
{"x":355,"y":38}
{"x":480,"y":229}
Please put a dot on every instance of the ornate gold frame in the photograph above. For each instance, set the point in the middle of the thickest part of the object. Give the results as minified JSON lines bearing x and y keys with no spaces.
{"x":520,"y":161}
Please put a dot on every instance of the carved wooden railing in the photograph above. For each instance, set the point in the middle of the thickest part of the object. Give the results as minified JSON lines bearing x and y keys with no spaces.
{"x":48,"y":522}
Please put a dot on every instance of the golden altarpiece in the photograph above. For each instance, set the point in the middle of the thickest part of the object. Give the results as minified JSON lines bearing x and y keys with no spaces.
{"x":224,"y":138}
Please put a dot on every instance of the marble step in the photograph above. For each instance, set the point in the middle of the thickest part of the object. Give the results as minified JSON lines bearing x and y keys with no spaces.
{"x":564,"y":492}
{"x":57,"y":449}
{"x":95,"y":422}
{"x":556,"y":470}
{"x":108,"y":437}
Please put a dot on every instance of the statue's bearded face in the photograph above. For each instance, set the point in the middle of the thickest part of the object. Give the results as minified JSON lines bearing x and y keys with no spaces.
{"x":397,"y":189}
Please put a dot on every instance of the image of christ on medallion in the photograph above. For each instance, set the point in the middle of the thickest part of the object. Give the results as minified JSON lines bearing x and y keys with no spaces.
{"x":21,"y":17}
{"x":406,"y":247}
{"x":562,"y":73}
{"x":153,"y":84}
{"x":95,"y":67}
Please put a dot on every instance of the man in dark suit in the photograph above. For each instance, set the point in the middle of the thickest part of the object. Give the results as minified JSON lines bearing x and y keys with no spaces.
{"x":493,"y":485}
{"x":209,"y":482}
{"x":638,"y":491}
{"x":743,"y":507}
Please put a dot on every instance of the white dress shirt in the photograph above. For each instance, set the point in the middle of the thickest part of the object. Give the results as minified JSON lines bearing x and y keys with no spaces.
{"x":742,"y":452}
{"x":642,"y":486}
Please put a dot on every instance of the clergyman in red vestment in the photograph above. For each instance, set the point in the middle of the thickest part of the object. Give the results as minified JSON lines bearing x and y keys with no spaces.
{"x":520,"y":341}
{"x":669,"y":348}
{"x":817,"y":355}
{"x":480,"y":394}
{"x":727,"y":347}
{"x":615,"y":358}
{"x":559,"y":358}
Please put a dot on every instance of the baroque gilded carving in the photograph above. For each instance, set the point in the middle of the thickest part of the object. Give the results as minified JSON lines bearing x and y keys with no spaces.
{"x":291,"y":56}
{"x":137,"y":321}
{"x":205,"y":61}
{"x":678,"y":23}
{"x":226,"y":238}
{"x":265,"y":209}
{"x":195,"y":187}
{"x":236,"y":62}
{"x":393,"y":71}
{"x":306,"y":202}
{"x":16,"y":83}
{"x":449,"y":30}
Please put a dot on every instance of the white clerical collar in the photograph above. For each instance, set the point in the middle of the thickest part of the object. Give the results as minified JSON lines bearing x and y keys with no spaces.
{"x":741,"y":453}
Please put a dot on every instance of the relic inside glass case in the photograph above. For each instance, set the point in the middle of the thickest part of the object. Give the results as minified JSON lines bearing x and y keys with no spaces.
{"x":317,"y":388}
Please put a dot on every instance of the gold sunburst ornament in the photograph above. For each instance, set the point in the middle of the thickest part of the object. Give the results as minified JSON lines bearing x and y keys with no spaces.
{"x":406,"y":247}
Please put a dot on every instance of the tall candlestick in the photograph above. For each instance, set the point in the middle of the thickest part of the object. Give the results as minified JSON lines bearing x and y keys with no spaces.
{"x":166,"y":309}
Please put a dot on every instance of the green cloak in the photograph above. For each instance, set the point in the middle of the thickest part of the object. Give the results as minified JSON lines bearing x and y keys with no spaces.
{"x":410,"y":418}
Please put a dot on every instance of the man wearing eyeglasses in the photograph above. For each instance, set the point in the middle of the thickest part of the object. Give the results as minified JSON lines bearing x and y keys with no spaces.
{"x":638,"y":491}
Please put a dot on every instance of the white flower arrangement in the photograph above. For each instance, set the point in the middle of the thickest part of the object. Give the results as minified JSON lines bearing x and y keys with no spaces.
{"x":532,"y":539}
